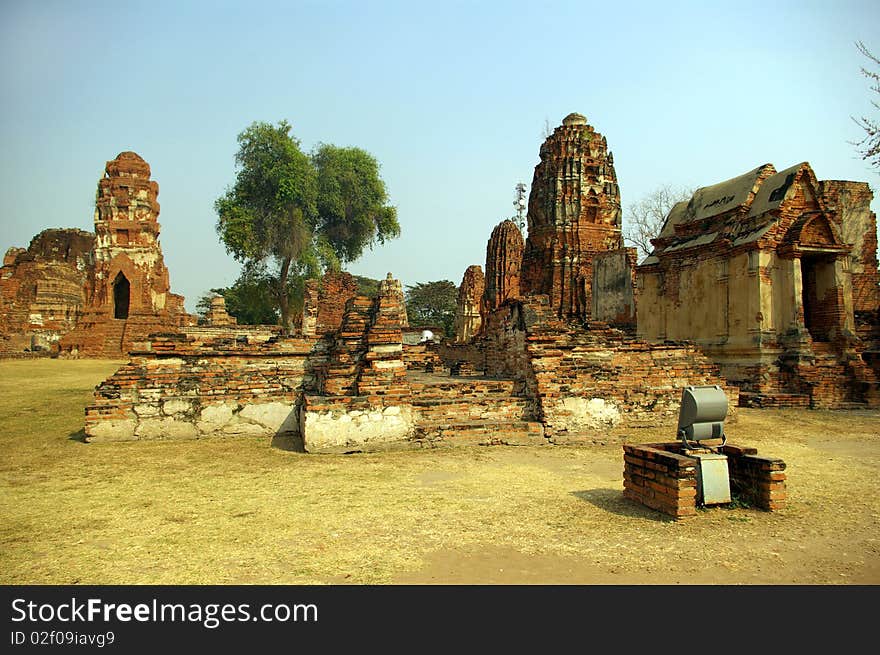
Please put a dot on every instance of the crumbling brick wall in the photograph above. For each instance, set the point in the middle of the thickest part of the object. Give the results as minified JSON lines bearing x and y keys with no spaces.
{"x":191,"y":386}
{"x":324,"y":302}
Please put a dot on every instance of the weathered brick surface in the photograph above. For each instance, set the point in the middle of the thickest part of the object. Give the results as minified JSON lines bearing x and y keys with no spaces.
{"x":760,"y":481}
{"x":210,"y":384}
{"x":217,"y":315}
{"x":587,"y":379}
{"x":504,"y":253}
{"x":662,"y":480}
{"x":467,"y":305}
{"x":574,"y":213}
{"x":128,"y":293}
{"x":663,"y":476}
{"x":324,"y":303}
{"x":43,"y":289}
{"x":792,"y":262}
{"x":422,"y":357}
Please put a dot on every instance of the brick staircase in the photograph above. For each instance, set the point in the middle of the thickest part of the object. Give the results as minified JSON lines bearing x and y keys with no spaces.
{"x":114,"y":333}
{"x":473,"y":410}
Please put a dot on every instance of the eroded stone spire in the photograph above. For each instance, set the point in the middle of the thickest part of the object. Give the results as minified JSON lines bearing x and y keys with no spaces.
{"x":467,"y":308}
{"x":574,"y":214}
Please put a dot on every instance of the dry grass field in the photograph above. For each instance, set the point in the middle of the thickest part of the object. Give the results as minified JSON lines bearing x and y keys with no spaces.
{"x":242,"y":511}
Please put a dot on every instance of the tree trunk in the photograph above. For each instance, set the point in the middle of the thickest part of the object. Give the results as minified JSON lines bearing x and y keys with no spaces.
{"x":283,"y":300}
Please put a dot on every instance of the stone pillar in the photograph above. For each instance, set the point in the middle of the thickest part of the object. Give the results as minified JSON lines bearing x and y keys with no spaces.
{"x":467,"y":307}
{"x":504,"y":253}
{"x":393,"y":289}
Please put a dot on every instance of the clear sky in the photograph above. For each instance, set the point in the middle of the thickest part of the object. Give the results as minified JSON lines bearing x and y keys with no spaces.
{"x":451,"y":97}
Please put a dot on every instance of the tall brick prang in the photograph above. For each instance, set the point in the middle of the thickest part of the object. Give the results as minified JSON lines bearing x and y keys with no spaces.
{"x":129,"y":295}
{"x":504,"y":254}
{"x":574,"y":213}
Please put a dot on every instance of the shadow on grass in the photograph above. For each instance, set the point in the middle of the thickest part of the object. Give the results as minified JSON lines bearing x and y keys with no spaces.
{"x":612,"y":500}
{"x":289,"y":442}
{"x":79,"y":435}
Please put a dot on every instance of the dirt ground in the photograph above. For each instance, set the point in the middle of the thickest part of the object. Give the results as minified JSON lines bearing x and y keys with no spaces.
{"x":245,"y":511}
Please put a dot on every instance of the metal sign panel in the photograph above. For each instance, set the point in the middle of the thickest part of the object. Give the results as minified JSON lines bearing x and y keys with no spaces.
{"x":713,"y":479}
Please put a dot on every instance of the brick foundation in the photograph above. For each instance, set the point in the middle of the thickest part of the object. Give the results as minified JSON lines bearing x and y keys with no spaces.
{"x":663,"y":477}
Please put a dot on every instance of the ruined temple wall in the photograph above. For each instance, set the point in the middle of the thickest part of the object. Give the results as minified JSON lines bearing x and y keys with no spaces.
{"x":588,"y":389}
{"x":43,"y":288}
{"x":857,"y":224}
{"x":324,"y":302}
{"x":613,"y":287}
{"x":188,"y":387}
{"x":585,"y":381}
{"x":705,"y":300}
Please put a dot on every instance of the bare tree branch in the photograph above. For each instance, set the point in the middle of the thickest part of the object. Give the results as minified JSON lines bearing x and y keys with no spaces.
{"x":644,"y":218}
{"x":869,"y":146}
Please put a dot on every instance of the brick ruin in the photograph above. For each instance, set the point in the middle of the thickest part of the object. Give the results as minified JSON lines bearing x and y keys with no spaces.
{"x":504,"y":255}
{"x":94,"y":295}
{"x":574,"y":217}
{"x":43,"y":290}
{"x":467,"y":307}
{"x":549,"y":347}
{"x":558,"y":310}
{"x":774,"y":276}
{"x":217,"y":316}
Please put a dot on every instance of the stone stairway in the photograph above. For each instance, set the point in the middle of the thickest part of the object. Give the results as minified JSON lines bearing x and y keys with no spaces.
{"x":114,"y":333}
{"x":473,"y":410}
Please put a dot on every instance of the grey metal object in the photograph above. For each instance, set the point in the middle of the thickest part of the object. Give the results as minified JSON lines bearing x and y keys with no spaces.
{"x":701,"y":416}
{"x":713,"y":479}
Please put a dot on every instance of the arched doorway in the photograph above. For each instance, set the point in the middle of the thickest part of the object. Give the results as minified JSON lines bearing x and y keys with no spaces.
{"x":121,"y":296}
{"x":820,"y":296}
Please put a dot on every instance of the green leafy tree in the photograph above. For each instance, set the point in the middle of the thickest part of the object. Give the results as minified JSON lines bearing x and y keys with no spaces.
{"x":352,"y":209}
{"x":367,"y":286}
{"x":251,"y":299}
{"x":289,"y":216}
{"x":432,"y":304}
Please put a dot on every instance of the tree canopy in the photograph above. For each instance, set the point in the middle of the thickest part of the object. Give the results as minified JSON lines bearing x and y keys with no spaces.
{"x":291,"y":215}
{"x":432,"y":304}
{"x":251,"y":299}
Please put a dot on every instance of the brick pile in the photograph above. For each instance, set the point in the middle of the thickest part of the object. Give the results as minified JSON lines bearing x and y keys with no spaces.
{"x":383,"y":371}
{"x":366,"y":358}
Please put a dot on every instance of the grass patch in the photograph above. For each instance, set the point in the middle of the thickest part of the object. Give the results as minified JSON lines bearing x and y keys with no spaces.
{"x":238,"y":511}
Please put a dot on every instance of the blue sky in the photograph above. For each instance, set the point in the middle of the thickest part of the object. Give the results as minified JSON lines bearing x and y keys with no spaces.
{"x":450,"y":97}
